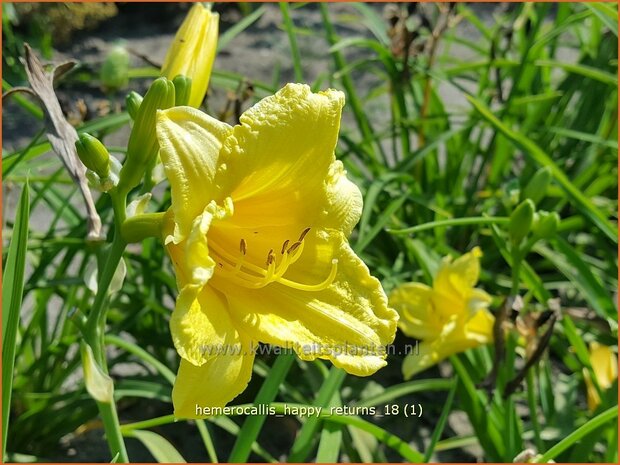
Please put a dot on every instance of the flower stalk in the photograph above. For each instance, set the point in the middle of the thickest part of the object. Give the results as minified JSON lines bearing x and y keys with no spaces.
{"x":94,"y":331}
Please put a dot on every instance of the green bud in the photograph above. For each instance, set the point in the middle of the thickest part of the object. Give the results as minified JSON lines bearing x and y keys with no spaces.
{"x":546,"y":224}
{"x":93,"y":154}
{"x":143,"y":146}
{"x":133,"y":102}
{"x":536,"y":189}
{"x":511,"y":192}
{"x":139,"y":227}
{"x":521,"y":221}
{"x":115,"y":69}
{"x":183,"y":89}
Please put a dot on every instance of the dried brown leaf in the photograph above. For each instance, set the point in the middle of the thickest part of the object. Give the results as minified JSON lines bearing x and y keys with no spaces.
{"x":60,"y":133}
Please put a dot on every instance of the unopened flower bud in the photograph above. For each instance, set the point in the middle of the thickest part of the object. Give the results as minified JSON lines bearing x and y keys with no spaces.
{"x":139,"y":227}
{"x":93,"y":154}
{"x":182,"y":88}
{"x":521,"y":221}
{"x":536,"y":189}
{"x":133,"y":102}
{"x":546,"y":224}
{"x":115,"y":69}
{"x":193,"y":51}
{"x":143,"y":147}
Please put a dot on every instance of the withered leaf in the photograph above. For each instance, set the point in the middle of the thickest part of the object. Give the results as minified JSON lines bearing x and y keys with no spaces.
{"x":60,"y":133}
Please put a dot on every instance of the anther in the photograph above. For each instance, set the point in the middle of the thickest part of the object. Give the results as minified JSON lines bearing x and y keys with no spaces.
{"x":242,"y":246}
{"x":293,"y":247}
{"x":303,"y":234}
{"x":284,"y":246}
{"x":270,"y":257}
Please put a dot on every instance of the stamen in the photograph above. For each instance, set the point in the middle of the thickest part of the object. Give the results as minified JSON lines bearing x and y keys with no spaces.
{"x":284,"y":246}
{"x":284,"y":264}
{"x":303,"y":234}
{"x":255,"y":277}
{"x":296,"y":251}
{"x":313,"y":287}
{"x":293,"y":247}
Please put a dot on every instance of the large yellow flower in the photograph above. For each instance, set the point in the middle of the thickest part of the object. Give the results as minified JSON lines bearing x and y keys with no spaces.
{"x":450,"y":317}
{"x":192,"y":51}
{"x":257,"y":232}
{"x":605,"y":366}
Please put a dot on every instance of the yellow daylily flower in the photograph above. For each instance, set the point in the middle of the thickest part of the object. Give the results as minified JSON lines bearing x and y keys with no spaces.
{"x":450,"y":317}
{"x":257,"y":233}
{"x":192,"y":52}
{"x":605,"y":366}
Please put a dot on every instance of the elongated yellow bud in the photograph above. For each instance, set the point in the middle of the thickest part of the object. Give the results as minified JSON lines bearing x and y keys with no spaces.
{"x":143,"y":147}
{"x":93,"y":154}
{"x":192,"y":52}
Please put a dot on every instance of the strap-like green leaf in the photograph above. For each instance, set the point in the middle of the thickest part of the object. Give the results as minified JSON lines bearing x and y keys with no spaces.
{"x":12,"y":293}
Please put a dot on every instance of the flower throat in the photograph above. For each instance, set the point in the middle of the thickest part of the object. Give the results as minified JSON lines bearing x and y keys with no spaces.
{"x":251,"y":276}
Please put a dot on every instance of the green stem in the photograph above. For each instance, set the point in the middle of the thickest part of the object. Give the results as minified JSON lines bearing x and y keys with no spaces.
{"x":290,"y":30}
{"x":207,"y":441}
{"x":516,"y":268}
{"x":267,"y":393}
{"x":452,"y":222}
{"x":531,"y":400}
{"x":305,"y":439}
{"x":146,"y":424}
{"x":142,"y":354}
{"x":96,"y":320}
{"x":578,"y":434}
{"x":95,"y":327}
{"x":369,"y":143}
{"x":109,"y":416}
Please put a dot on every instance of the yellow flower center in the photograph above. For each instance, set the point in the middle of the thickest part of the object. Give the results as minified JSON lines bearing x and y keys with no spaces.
{"x":244,"y":273}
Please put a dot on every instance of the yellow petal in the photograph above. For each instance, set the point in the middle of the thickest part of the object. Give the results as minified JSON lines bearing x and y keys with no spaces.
{"x":604,"y":363}
{"x":200,"y":320}
{"x":282,"y":161}
{"x":215,"y":383}
{"x":190,"y":143}
{"x":461,"y":275}
{"x":343,"y":199}
{"x":348,"y":322}
{"x":479,"y":328}
{"x":414,"y":362}
{"x":286,"y":139}
{"x":193,"y":51}
{"x":413,"y":303}
{"x":457,"y":335}
{"x":478,"y":300}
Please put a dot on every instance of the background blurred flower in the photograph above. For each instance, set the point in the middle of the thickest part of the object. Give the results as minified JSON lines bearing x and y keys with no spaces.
{"x":605,"y":366}
{"x":450,"y":317}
